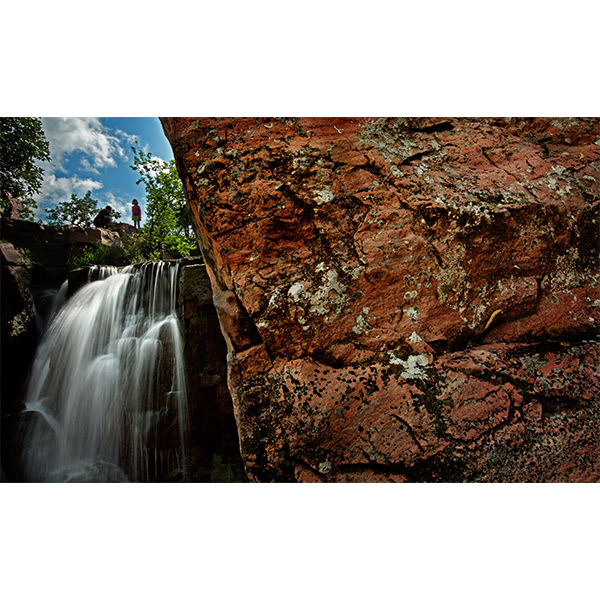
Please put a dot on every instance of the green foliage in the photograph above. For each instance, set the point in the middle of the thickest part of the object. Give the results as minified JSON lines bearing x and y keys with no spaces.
{"x":168,"y":228}
{"x":26,"y":253}
{"x":99,"y":255}
{"x":28,"y":206}
{"x":137,"y":249}
{"x":22,"y":142}
{"x":115,"y":215}
{"x":78,"y":212}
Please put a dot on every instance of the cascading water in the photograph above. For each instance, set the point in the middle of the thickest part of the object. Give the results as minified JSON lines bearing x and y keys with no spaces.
{"x":107,"y":394}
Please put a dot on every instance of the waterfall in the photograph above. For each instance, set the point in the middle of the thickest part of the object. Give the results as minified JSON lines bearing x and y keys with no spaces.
{"x":107,"y":397}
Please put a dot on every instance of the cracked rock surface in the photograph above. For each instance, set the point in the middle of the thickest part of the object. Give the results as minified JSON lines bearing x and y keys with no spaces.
{"x":403,"y":299}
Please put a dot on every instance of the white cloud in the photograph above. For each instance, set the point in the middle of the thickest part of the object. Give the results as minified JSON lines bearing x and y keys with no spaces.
{"x":63,"y":187}
{"x":59,"y":189}
{"x":97,"y":148}
{"x":86,"y":135}
{"x":120,"y":204}
{"x":154,"y":166}
{"x":81,"y":148}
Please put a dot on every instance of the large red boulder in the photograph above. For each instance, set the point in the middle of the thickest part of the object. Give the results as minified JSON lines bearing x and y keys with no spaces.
{"x":403,"y":299}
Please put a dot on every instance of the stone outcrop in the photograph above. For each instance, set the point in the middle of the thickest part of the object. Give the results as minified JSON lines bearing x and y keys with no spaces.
{"x":52,"y":248}
{"x":13,"y":208}
{"x":403,"y":299}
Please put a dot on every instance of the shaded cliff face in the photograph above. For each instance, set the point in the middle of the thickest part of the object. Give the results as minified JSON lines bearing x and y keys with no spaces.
{"x":403,"y":299}
{"x":212,"y":425}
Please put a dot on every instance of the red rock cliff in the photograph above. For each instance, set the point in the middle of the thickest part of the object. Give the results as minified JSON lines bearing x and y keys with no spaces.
{"x":403,"y":299}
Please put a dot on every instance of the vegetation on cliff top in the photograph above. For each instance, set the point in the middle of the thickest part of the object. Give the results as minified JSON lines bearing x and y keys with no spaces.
{"x":77,"y":212}
{"x":167,"y":231}
{"x":168,"y":228}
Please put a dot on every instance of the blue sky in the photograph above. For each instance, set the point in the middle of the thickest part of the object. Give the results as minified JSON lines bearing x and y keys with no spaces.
{"x":94,"y":153}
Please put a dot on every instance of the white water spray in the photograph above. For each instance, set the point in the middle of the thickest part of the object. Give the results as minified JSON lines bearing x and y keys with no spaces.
{"x":107,"y":394}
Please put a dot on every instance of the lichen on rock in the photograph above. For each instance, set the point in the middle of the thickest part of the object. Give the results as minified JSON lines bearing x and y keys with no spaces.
{"x":394,"y":287}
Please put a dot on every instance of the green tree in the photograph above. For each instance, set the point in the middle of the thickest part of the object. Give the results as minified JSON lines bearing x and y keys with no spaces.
{"x":22,"y":142}
{"x":78,"y":211}
{"x":168,"y":227}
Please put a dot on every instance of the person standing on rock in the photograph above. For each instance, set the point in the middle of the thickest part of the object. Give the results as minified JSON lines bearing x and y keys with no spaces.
{"x":136,"y":214}
{"x":103,"y":217}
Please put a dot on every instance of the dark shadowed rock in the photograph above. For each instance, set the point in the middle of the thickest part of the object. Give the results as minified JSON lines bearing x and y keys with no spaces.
{"x":212,"y":422}
{"x":18,"y":325}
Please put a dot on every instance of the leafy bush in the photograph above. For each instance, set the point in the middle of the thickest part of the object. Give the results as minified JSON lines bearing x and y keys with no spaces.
{"x":100,"y":255}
